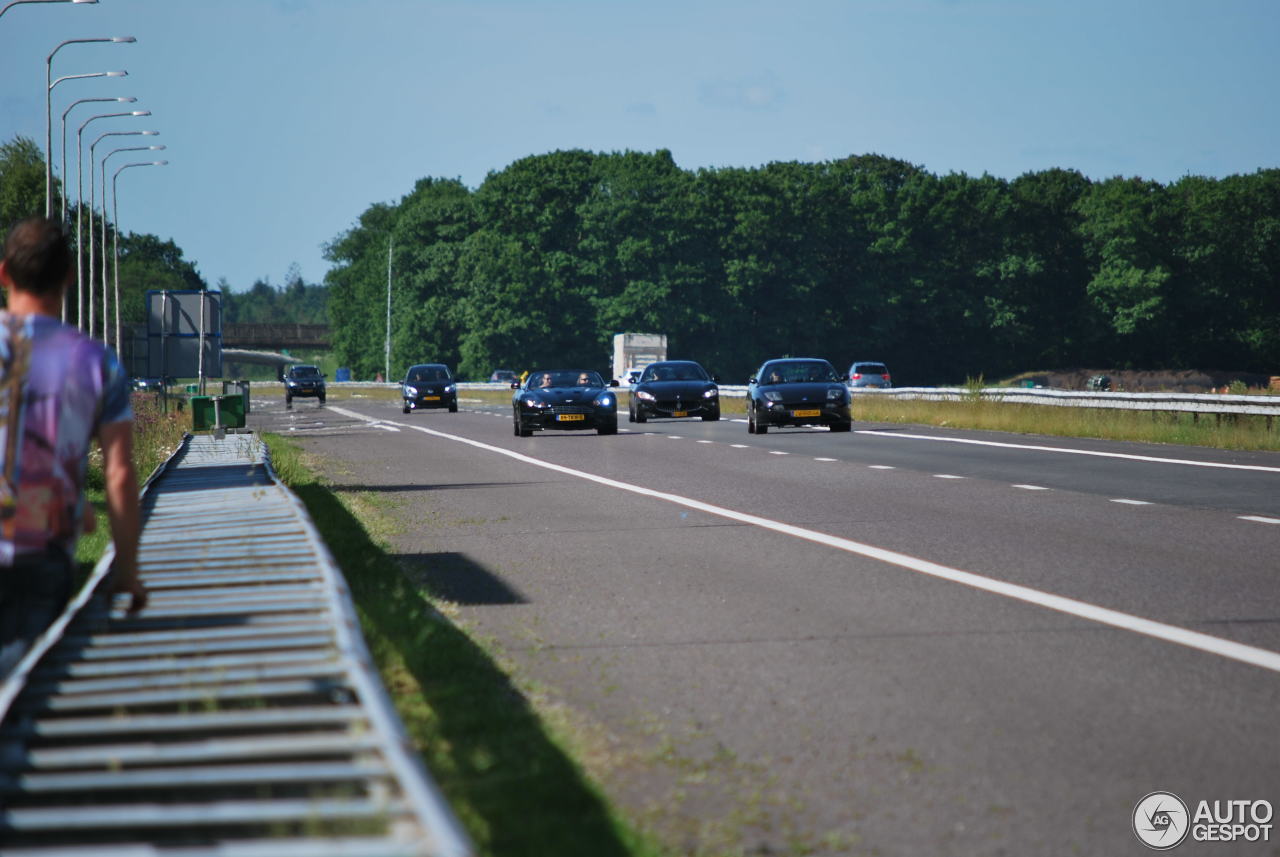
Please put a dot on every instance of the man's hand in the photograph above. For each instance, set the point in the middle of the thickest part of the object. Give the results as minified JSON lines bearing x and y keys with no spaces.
{"x":129,"y":583}
{"x":122,"y":510}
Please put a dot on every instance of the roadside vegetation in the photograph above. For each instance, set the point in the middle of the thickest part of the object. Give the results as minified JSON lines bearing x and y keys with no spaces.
{"x":510,"y":777}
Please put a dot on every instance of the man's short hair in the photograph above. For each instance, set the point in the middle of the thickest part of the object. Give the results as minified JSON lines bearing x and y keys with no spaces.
{"x":36,"y":255}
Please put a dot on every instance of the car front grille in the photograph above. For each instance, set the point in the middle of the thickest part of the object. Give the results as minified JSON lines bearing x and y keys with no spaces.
{"x":571,"y":409}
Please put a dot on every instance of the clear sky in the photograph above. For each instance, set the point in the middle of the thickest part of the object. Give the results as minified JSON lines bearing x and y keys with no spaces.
{"x":285,"y":119}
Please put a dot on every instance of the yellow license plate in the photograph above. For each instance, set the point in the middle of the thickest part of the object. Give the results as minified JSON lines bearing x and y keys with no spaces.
{"x":679,"y":413}
{"x":799,"y":414}
{"x":570,"y":418}
{"x":430,"y":398}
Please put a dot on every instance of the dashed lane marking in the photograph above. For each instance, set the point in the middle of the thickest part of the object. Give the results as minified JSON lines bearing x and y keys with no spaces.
{"x":1031,"y":487}
{"x":1259,"y":519}
{"x":1131,"y":502}
{"x":1263,"y":658}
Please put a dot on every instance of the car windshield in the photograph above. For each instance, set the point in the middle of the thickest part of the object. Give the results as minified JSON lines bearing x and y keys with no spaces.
{"x":427,"y":374}
{"x":675,"y":372}
{"x":306,"y":372}
{"x":565,"y":378}
{"x":798,"y":372}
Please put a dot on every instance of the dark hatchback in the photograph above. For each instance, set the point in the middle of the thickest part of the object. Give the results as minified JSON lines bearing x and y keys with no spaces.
{"x":303,"y":382}
{"x":797,"y":391}
{"x":429,"y":385}
{"x":564,"y":399}
{"x":674,"y":388}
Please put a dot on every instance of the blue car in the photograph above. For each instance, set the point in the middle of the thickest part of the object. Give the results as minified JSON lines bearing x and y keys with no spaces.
{"x":797,"y":391}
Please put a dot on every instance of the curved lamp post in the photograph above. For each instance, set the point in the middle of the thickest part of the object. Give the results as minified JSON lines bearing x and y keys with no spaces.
{"x":80,"y":203}
{"x":115,"y":218}
{"x":18,"y":2}
{"x":105,"y":292}
{"x":127,"y":99}
{"x":92,"y":206}
{"x":49,"y":84}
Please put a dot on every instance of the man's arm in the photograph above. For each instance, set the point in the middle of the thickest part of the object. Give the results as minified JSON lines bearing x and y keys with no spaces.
{"x":122,"y":508}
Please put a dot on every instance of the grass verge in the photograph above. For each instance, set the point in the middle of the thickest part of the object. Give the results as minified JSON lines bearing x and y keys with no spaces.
{"x":514,"y":787}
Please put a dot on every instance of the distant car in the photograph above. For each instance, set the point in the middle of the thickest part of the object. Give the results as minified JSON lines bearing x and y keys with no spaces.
{"x":568,"y":399}
{"x":797,"y":391}
{"x":869,"y":375}
{"x":147,"y":385}
{"x":303,"y":382}
{"x":674,"y":388}
{"x":503,"y":376}
{"x":429,"y":385}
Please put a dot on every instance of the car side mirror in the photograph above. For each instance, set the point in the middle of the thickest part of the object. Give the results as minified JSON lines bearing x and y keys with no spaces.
{"x":715,"y":379}
{"x":515,"y":385}
{"x":613,"y":382}
{"x":751,"y":380}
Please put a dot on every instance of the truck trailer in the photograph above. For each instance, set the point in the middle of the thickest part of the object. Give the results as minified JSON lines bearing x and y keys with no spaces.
{"x":636,"y":351}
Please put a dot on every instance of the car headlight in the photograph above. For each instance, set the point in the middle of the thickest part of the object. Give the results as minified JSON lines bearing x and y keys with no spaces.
{"x":605,"y":401}
{"x":711,"y":394}
{"x":835,"y":394}
{"x":449,"y":388}
{"x":773,"y":395}
{"x":646,"y":396}
{"x":532,"y":403}
{"x":410,"y":391}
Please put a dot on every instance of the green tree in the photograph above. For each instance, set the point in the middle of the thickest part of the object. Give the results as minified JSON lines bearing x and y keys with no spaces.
{"x":22,"y":182}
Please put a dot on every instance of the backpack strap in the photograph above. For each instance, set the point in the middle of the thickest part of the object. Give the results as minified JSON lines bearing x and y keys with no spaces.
{"x":13,"y":376}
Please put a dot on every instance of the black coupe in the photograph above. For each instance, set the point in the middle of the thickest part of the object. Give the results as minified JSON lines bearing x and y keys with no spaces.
{"x":564,"y":399}
{"x":797,"y":391}
{"x":674,"y":388}
{"x":429,"y":385}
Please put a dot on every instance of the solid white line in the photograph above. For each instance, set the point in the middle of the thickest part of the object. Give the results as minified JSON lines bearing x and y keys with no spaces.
{"x":1185,"y":461}
{"x":1132,"y":502}
{"x":1031,"y":487}
{"x":1260,"y":519}
{"x":1103,"y":615}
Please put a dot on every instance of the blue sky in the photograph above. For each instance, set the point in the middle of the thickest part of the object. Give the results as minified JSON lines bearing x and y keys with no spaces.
{"x":285,"y":119}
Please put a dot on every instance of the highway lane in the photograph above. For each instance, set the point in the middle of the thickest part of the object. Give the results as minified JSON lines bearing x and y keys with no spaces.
{"x":909,"y":714}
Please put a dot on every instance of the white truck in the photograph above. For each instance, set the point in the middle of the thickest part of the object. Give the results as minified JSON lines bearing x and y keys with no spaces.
{"x":636,"y":351}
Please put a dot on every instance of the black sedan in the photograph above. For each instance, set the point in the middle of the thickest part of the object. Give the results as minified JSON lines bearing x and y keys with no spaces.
{"x":675,"y":388}
{"x":429,"y":385}
{"x":797,"y":391}
{"x":564,"y":399}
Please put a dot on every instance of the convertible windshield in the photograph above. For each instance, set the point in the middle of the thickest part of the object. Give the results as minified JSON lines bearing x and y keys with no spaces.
{"x":800,"y":371}
{"x":565,"y":378}
{"x":427,"y":374}
{"x":675,"y":372}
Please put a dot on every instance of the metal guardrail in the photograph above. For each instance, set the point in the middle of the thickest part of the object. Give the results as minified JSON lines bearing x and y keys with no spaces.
{"x":238,"y":714}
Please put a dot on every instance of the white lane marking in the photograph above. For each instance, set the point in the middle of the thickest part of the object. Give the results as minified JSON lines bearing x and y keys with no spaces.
{"x":706,"y":441}
{"x":1031,"y":487}
{"x":739,"y":446}
{"x":1132,"y":502}
{"x":1268,"y":660}
{"x":674,"y":437}
{"x":824,"y":459}
{"x":737,"y":421}
{"x":881,"y":467}
{"x":776,"y":452}
{"x":628,"y":431}
{"x":946,"y":476}
{"x":1127,"y":456}
{"x":1260,"y":519}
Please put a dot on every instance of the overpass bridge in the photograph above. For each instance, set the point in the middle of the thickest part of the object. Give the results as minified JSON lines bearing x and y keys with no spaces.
{"x":275,"y":336}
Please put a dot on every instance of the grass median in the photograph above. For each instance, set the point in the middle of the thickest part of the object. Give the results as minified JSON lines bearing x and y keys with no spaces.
{"x":510,"y":779}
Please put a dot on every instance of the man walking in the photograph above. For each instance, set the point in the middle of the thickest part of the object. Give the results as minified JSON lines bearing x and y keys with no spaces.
{"x":58,"y":390}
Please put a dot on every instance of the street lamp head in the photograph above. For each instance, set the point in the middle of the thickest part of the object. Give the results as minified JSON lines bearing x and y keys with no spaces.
{"x":117,"y":74}
{"x":157,"y":148}
{"x":84,"y":1}
{"x":150,"y":133}
{"x":124,"y":39}
{"x":140,"y":113}
{"x":128,"y":99}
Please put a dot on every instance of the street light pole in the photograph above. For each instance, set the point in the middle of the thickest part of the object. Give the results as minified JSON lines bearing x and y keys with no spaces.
{"x":48,"y":112}
{"x":80,"y":208}
{"x":92,"y":206}
{"x":115,"y":218}
{"x":18,"y":2}
{"x":387,"y":376}
{"x":126,"y":99}
{"x":105,"y":292}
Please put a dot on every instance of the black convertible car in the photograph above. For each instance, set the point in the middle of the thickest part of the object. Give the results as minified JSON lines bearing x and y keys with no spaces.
{"x":675,"y":388}
{"x":797,"y":391}
{"x":564,"y":399}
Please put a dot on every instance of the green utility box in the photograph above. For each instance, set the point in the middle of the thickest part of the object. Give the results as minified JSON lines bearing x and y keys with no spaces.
{"x":209,"y":411}
{"x":238,"y":387}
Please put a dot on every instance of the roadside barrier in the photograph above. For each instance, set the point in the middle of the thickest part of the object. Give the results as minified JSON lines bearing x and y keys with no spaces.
{"x":239,"y":713}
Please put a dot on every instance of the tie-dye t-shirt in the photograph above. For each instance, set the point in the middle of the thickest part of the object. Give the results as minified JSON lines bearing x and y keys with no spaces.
{"x":73,"y":384}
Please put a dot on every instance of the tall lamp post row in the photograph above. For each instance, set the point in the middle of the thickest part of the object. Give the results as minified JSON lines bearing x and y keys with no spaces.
{"x":115,"y":218}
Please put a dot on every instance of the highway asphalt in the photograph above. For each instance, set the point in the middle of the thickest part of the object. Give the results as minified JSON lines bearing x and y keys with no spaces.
{"x":900,"y":641}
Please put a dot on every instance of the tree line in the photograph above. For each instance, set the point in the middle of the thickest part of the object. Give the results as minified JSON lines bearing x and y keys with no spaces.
{"x":942,"y":276}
